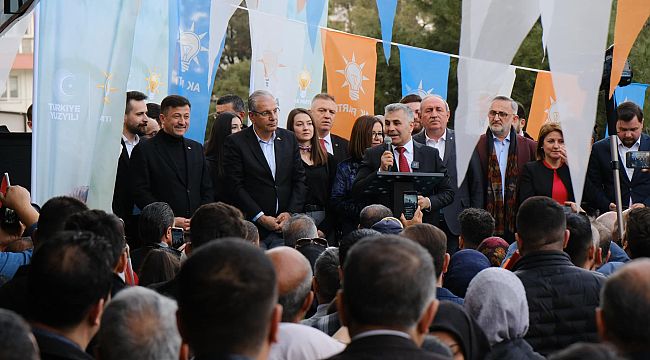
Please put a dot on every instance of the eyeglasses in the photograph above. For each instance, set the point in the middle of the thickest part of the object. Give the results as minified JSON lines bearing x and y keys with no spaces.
{"x":310,"y":241}
{"x":267,"y":114}
{"x":502,"y":115}
{"x":376,"y":133}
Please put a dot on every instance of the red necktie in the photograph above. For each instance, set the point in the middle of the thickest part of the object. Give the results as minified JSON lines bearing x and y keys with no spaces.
{"x":403,"y":163}
{"x":322,"y":144}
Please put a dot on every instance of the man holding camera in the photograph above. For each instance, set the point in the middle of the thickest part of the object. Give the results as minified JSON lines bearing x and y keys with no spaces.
{"x":635,"y":183}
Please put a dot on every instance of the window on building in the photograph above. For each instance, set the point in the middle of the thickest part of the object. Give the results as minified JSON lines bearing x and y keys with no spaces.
{"x":11,"y":92}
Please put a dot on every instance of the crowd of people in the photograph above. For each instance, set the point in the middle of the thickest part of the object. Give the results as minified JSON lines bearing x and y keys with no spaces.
{"x":283,"y":243}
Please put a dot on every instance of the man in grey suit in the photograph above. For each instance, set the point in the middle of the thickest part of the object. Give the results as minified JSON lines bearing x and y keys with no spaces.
{"x":434,"y":115}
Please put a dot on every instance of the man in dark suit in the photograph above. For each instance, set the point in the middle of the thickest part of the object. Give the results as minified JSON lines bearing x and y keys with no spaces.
{"x":323,"y":110}
{"x":135,"y":123}
{"x":388,"y":299}
{"x":635,"y":184}
{"x":502,"y":156}
{"x":411,"y":157}
{"x":434,"y":116}
{"x":171,"y":168}
{"x":264,"y":170}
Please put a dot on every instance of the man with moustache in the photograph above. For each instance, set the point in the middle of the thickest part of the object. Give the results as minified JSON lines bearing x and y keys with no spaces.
{"x":635,"y":184}
{"x":171,"y":168}
{"x":434,"y":116}
{"x":323,"y":110}
{"x":406,"y":155}
{"x":502,"y":154}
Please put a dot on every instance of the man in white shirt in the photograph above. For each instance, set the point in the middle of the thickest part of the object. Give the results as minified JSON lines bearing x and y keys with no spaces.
{"x":323,"y":110}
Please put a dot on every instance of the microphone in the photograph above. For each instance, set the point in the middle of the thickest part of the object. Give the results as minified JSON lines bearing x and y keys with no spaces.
{"x":388,"y":141}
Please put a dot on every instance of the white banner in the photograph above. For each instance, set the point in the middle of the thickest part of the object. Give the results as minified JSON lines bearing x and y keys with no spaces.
{"x":220,"y":13}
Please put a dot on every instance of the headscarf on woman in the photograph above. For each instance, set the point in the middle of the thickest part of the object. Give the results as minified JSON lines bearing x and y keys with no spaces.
{"x":452,"y":319}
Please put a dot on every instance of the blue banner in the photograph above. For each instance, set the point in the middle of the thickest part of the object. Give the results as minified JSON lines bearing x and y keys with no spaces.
{"x":634,"y":92}
{"x":315,"y":10}
{"x":189,"y":39}
{"x":423,"y":72}
{"x":82,"y":58}
{"x":386,"y":9}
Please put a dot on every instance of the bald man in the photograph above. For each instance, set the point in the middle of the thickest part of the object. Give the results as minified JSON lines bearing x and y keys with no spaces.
{"x":297,"y":341}
{"x":624,"y":313}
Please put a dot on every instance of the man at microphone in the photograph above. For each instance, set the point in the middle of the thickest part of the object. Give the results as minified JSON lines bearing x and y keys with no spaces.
{"x":401,"y":154}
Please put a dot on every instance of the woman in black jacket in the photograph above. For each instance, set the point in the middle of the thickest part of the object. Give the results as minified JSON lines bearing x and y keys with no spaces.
{"x":224,"y":124}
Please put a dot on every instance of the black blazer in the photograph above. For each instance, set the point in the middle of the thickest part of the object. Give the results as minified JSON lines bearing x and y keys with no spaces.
{"x":52,"y":348}
{"x":429,"y":161}
{"x":385,"y":347}
{"x":537,"y":180}
{"x":340,"y":147}
{"x":470,"y":193}
{"x":155,"y":177}
{"x":600,"y":173}
{"x":122,"y":197}
{"x":251,"y":184}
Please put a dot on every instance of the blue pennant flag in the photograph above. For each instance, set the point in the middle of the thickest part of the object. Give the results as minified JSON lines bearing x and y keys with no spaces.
{"x":315,"y":9}
{"x":423,"y":72}
{"x":189,"y":32}
{"x":386,"y":9}
{"x":634,"y":92}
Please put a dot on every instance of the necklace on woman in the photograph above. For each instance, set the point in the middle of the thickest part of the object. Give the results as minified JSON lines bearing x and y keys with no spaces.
{"x":305,"y":148}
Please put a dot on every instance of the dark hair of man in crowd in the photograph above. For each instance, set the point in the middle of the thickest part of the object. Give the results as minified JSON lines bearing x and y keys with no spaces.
{"x":624,"y":310}
{"x":604,"y":239}
{"x":410,"y":98}
{"x":154,"y":221}
{"x":107,"y":226}
{"x":352,"y":238}
{"x":227,"y":295}
{"x":521,"y":112}
{"x":580,"y":238}
{"x":54,"y":214}
{"x":326,"y":274}
{"x":153,"y":112}
{"x":67,"y":277}
{"x":158,"y":266}
{"x":389,"y":281}
{"x":236,"y":101}
{"x":215,"y":221}
{"x":476,"y":225}
{"x":432,"y":239}
{"x":16,"y":340}
{"x":627,"y":110}
{"x":637,"y":232}
{"x":584,"y":350}
{"x":173,"y":101}
{"x":371,"y":214}
{"x":540,"y":222}
{"x":135,"y":96}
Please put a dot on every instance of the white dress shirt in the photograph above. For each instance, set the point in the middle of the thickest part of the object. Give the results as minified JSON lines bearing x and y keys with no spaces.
{"x":268,"y":149}
{"x":440,"y":144}
{"x":622,"y":151}
{"x":328,"y":143}
{"x":408,"y":154}
{"x":130,"y":144}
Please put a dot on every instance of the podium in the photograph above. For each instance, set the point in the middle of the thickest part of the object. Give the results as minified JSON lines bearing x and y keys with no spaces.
{"x":393,"y":185}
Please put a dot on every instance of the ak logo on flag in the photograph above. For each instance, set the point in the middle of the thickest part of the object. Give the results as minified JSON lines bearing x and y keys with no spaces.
{"x":423,"y":72}
{"x":543,"y":107}
{"x":351,"y":64}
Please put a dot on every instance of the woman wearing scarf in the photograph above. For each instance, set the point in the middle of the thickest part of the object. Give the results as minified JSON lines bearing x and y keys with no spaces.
{"x":496,"y":300}
{"x":454,"y":327}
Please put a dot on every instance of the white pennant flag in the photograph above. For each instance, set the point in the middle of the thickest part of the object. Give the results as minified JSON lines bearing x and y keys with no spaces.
{"x":220,"y":13}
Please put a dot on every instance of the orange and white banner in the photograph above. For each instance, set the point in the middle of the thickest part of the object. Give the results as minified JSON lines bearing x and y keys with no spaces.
{"x":542,"y":108}
{"x":351,"y":64}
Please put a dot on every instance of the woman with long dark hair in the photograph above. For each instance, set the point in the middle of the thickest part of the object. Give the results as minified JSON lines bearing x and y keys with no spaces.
{"x":367,"y":131}
{"x":224,"y":124}
{"x":320,"y":168}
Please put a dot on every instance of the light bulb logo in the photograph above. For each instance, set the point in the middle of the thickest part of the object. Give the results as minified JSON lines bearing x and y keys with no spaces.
{"x":354,"y":77}
{"x":153,"y":82}
{"x":552,"y":113}
{"x":304,"y":79}
{"x":271,"y":64}
{"x":190,"y":44}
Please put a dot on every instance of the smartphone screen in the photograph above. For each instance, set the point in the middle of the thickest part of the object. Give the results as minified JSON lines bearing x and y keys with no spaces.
{"x":637,"y":159}
{"x":410,"y":204}
{"x":178,"y":238}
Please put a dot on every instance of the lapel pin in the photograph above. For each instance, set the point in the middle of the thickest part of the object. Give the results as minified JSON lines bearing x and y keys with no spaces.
{"x":415,"y":165}
{"x":279,"y":138}
{"x":189,"y":148}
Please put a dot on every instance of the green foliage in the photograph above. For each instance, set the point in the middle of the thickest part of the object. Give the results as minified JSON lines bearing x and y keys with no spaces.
{"x":428,"y":24}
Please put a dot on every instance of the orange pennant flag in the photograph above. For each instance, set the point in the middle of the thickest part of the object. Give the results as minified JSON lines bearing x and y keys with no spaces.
{"x":631,"y":16}
{"x":542,"y":108}
{"x":351,"y":64}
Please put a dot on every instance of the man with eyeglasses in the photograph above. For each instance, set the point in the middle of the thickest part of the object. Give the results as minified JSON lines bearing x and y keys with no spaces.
{"x":434,"y":116}
{"x":323,"y":110}
{"x":264,"y":170}
{"x":171,"y":168}
{"x":502,"y":155}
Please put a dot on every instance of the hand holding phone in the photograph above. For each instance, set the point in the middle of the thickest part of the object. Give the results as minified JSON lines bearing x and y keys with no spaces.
{"x":410,"y":204}
{"x":178,"y":237}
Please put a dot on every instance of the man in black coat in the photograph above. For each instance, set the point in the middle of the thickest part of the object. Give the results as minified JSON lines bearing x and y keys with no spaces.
{"x":323,"y":110}
{"x":264,"y":170}
{"x":562,"y":298}
{"x":388,"y":299}
{"x":411,"y":157}
{"x":171,"y":168}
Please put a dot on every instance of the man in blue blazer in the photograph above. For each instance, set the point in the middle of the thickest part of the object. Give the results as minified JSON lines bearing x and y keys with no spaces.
{"x":635,"y":184}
